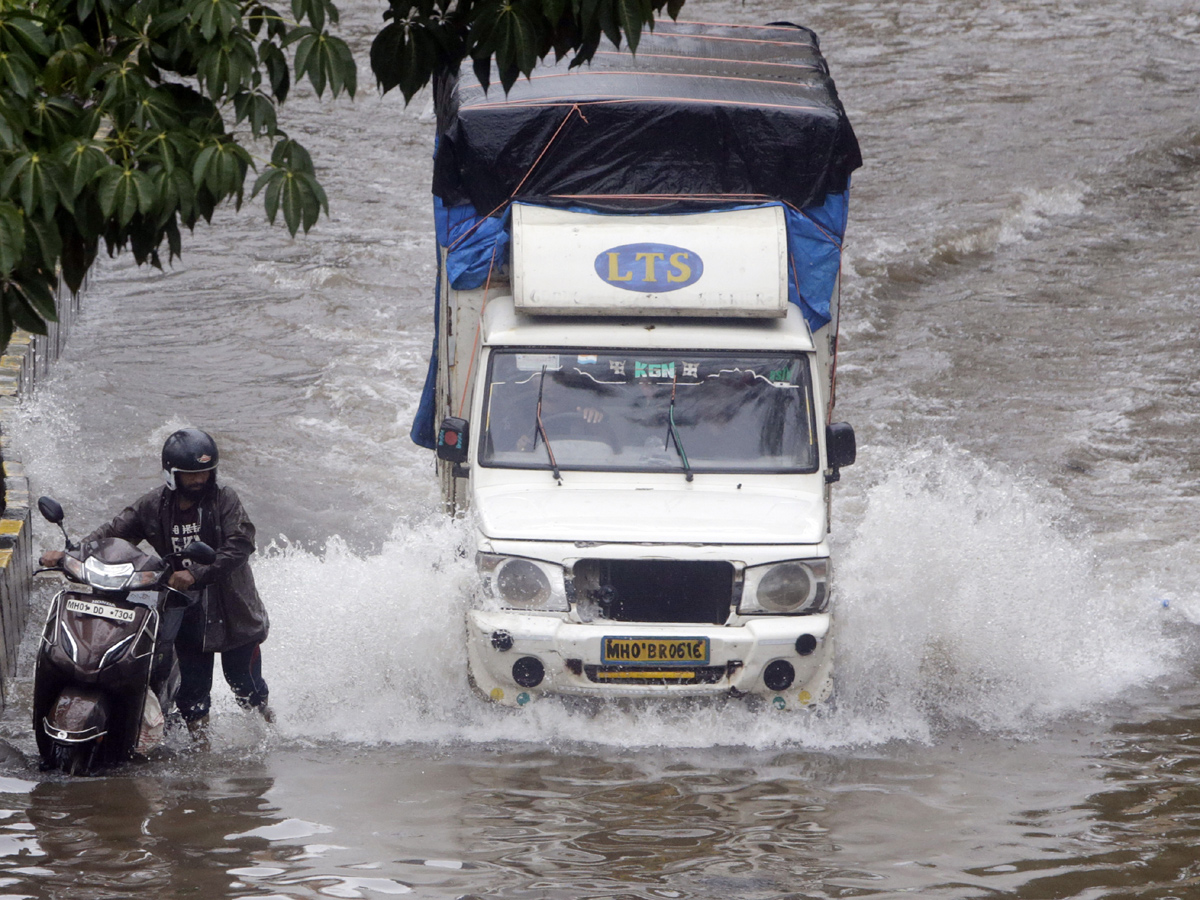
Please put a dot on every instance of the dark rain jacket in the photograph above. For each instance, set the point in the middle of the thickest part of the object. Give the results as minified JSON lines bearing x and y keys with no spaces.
{"x":235,"y":613}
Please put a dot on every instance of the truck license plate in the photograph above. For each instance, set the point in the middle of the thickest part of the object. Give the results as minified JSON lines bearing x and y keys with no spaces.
{"x":100,"y":609}
{"x":686,"y":651}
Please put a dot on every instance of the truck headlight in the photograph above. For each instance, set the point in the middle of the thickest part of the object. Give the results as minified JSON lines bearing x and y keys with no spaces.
{"x":786,"y":588}
{"x":520,"y":583}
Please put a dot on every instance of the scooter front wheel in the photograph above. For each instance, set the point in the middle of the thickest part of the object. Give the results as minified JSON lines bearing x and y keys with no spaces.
{"x":73,"y":759}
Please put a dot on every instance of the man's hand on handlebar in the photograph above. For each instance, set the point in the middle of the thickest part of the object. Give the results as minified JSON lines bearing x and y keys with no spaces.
{"x":51,"y":558}
{"x":181,"y":580}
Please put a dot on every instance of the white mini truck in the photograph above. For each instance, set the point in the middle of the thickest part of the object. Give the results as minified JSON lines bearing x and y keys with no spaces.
{"x":635,"y":413}
{"x":650,"y":493}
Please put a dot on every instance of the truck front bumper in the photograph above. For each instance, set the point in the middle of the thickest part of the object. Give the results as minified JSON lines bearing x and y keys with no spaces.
{"x":517,"y":657}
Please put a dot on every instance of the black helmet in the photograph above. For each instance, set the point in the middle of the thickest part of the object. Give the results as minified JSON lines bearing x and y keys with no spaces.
{"x":188,"y":450}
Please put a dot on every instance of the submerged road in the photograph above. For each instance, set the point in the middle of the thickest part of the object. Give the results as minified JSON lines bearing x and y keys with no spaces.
{"x":1016,"y":545}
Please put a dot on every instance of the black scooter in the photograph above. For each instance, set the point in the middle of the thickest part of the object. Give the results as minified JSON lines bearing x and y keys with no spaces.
{"x":106,"y":668}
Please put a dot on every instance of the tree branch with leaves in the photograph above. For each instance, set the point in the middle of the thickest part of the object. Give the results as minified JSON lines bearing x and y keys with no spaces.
{"x":427,"y":35}
{"x":121,"y":120}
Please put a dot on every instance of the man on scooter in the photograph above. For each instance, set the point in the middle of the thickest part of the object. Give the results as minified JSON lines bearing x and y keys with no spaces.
{"x":228,"y":616}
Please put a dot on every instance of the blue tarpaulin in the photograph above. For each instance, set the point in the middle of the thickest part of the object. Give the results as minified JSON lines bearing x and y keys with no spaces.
{"x":704,"y":117}
{"x":478,"y":245}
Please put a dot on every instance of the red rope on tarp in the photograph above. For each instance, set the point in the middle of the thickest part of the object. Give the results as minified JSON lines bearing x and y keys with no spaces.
{"x":574,"y":109}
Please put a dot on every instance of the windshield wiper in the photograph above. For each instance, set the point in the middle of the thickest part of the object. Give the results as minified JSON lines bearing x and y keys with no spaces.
{"x":673,"y":432}
{"x":541,"y":429}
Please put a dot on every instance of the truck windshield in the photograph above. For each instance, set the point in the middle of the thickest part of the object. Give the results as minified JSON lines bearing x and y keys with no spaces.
{"x":612,"y":410}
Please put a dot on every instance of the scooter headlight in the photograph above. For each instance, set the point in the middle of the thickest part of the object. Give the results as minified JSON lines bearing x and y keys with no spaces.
{"x":520,"y":583}
{"x":110,"y":576}
{"x":794,"y":587}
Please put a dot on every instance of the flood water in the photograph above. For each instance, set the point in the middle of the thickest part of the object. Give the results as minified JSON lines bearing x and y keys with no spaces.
{"x":1016,"y":547}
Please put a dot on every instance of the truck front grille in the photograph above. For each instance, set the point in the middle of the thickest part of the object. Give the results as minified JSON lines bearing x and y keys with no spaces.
{"x":654,"y":590}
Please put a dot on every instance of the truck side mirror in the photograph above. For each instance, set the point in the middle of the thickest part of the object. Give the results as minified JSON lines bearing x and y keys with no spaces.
{"x":841,"y":447}
{"x":453,"y":440}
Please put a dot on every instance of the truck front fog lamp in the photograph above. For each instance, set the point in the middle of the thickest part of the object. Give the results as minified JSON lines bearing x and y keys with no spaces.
{"x":528,"y":671}
{"x":779,"y":675}
{"x":502,"y":641}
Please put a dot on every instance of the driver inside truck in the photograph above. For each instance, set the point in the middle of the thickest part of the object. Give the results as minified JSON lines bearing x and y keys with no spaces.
{"x":565,"y":411}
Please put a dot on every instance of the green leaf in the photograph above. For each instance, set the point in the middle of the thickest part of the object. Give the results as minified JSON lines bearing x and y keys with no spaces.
{"x":12,"y":236}
{"x":304,"y":49}
{"x":202,"y":164}
{"x":404,"y":57}
{"x":78,"y":255}
{"x":258,"y":108}
{"x":343,"y":71}
{"x":54,"y":118}
{"x":513,"y":36}
{"x":272,"y":180}
{"x":221,"y":168}
{"x":173,"y":242}
{"x":299,"y":33}
{"x":43,"y":243}
{"x":156,"y":109}
{"x":18,"y":72}
{"x":226,"y":68}
{"x":111,"y":182}
{"x":609,"y":23}
{"x":290,"y":155}
{"x":20,"y":32}
{"x":177,"y":194}
{"x":215,"y":16}
{"x":37,"y":181}
{"x":66,"y":67}
{"x":296,"y":192}
{"x":124,"y":86}
{"x":119,"y":196}
{"x":81,"y":160}
{"x":313,"y":10}
{"x":278,"y":72}
{"x":631,"y":14}
{"x":28,"y":301}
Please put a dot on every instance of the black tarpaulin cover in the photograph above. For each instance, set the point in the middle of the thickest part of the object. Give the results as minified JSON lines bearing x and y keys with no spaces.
{"x":702,"y":111}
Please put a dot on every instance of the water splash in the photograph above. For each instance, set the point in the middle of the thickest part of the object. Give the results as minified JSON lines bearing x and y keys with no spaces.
{"x":963,"y":601}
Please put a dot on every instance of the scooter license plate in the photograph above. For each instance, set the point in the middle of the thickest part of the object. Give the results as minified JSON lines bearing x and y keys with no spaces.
{"x":89,"y":608}
{"x":688,"y":651}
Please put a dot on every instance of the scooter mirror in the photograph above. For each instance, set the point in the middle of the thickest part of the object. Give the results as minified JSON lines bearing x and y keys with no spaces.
{"x":198,"y":551}
{"x":51,"y":510}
